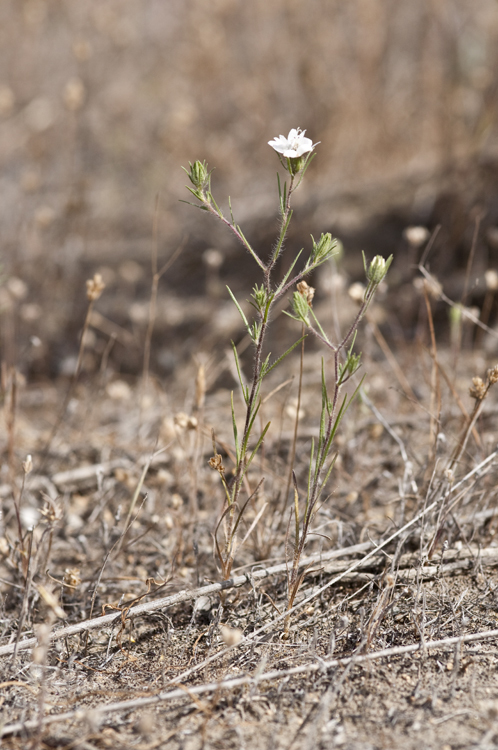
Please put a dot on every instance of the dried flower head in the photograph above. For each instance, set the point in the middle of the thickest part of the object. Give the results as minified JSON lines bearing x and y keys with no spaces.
{"x":493,"y":375}
{"x":491,"y":279}
{"x":449,"y":476}
{"x":51,"y":601}
{"x":74,"y":94}
{"x":72,"y":577}
{"x":200,"y":386}
{"x":94,"y":287}
{"x":216,"y":462}
{"x":431,"y":285}
{"x":231,"y":636}
{"x":478,"y":389}
{"x":357,"y":292}
{"x":27,"y":465}
{"x":52,"y":512}
{"x":416,"y":236}
{"x":184,"y":422}
{"x":306,"y":291}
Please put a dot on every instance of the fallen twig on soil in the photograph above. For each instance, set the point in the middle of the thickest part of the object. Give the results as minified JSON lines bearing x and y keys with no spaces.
{"x":319,"y":665}
{"x":256,"y":574}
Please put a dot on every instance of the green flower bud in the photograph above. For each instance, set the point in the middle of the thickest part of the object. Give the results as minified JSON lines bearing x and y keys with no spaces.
{"x":324,"y":249}
{"x":260,"y":297}
{"x":377,"y":269}
{"x":301,"y":307}
{"x":198,"y":175}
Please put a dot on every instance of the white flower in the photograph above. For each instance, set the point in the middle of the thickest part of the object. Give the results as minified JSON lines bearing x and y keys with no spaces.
{"x":294,"y":146}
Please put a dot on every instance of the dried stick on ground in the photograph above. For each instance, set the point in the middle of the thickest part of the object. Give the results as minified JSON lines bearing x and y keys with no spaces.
{"x":258,"y":574}
{"x":319,"y":665}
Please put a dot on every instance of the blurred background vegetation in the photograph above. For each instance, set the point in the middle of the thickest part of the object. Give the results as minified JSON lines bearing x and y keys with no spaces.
{"x":102,"y":101}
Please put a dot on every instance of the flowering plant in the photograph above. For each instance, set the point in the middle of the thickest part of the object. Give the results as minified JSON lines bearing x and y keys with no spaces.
{"x":295,"y":153}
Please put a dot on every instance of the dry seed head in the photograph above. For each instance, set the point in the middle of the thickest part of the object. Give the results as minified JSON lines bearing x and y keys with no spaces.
{"x":94,"y":287}
{"x":433,"y":287}
{"x":491,"y":279}
{"x":449,"y":476}
{"x":416,"y":236}
{"x":493,"y":375}
{"x":213,"y":258}
{"x":184,"y":422}
{"x":7,"y":101}
{"x":306,"y":291}
{"x":216,"y":462}
{"x":231,"y":636}
{"x":74,"y":94}
{"x":18,"y":288}
{"x":176,"y":501}
{"x":357,"y":292}
{"x":51,"y":601}
{"x":478,"y":389}
{"x":72,"y":577}
{"x":28,"y":464}
{"x":82,"y":50}
{"x":51,"y":511}
{"x":200,"y":387}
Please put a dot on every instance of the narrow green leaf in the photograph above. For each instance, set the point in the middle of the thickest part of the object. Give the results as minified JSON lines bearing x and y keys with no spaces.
{"x":249,"y":428}
{"x":319,"y":326}
{"x":218,"y":209}
{"x":325,"y":395}
{"x":290,"y":315}
{"x":240,"y":311}
{"x":277,"y":362}
{"x":239,"y":372}
{"x":241,"y":512}
{"x":284,"y":280}
{"x":312,"y":455}
{"x":327,"y":476}
{"x":235,"y":432}
{"x":249,"y":248}
{"x":257,"y":447}
{"x":195,"y":205}
{"x":335,"y":427}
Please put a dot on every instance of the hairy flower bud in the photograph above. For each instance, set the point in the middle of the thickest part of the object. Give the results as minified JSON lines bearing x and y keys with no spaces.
{"x":324,"y":249}
{"x":260,"y":297}
{"x":301,"y":307}
{"x":378,"y":269}
{"x":198,"y":175}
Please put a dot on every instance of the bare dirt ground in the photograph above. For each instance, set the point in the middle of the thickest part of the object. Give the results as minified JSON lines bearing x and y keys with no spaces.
{"x":116,"y":627}
{"x":342,"y":678}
